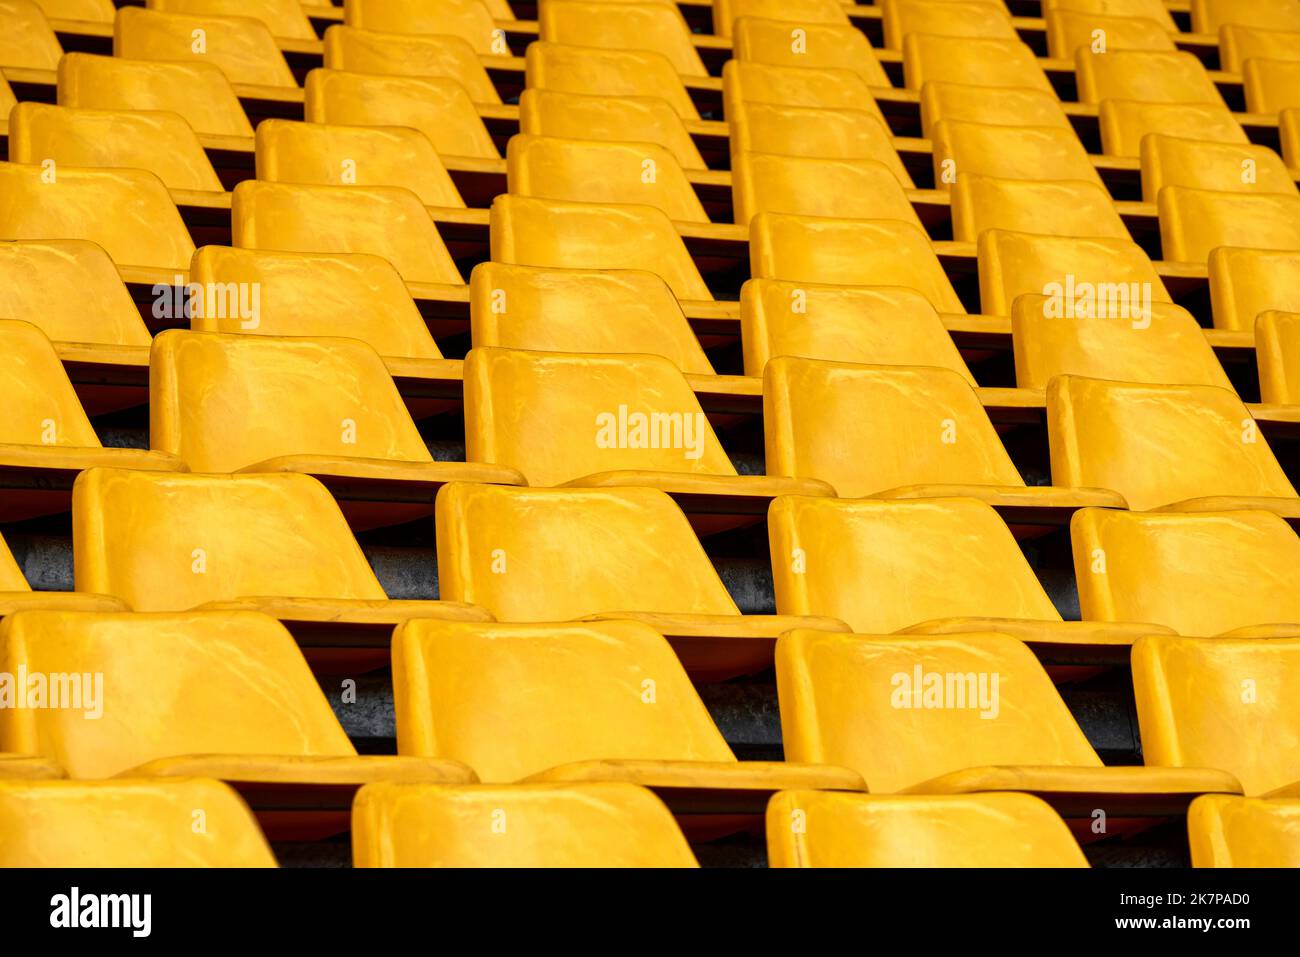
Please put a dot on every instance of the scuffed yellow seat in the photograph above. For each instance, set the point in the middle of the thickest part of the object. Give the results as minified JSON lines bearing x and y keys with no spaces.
{"x":979,"y":61}
{"x":816,"y":186}
{"x":975,"y":20}
{"x":1198,"y":164}
{"x":1245,"y":283}
{"x":1008,"y":152}
{"x":618,"y":119}
{"x":369,"y":51}
{"x":27,"y":41}
{"x":1071,"y":30}
{"x":812,"y":12}
{"x":744,"y":81}
{"x":1149,"y":75}
{"x":611,"y":73}
{"x":284,"y":18}
{"x":657,"y":27}
{"x":1244,"y":832}
{"x":1209,"y":15}
{"x":469,"y":19}
{"x":1156,"y":10}
{"x":1075,"y":208}
{"x":1194,"y":222}
{"x":533,"y":826}
{"x":240,"y":47}
{"x":1013,"y":105}
{"x":835,"y":43}
{"x":1125,"y":122}
{"x":1270,"y":85}
{"x":822,"y":829}
{"x":838,"y":134}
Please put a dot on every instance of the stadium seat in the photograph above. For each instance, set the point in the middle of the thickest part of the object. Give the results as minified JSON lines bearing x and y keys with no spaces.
{"x":543,"y":232}
{"x":581,"y":310}
{"x":531,"y":826}
{"x":1238,"y":43}
{"x":1288,"y":128}
{"x":849,"y":252}
{"x":811,"y":12}
{"x":898,"y":432}
{"x":611,"y":73}
{"x":792,"y":42}
{"x":1178,"y":447}
{"x":1081,"y":273}
{"x":1277,"y":351}
{"x":382,"y":220}
{"x":881,"y":325}
{"x":1070,"y":30}
{"x":825,"y":829}
{"x":161,"y":143}
{"x":744,"y":81}
{"x":619,"y":119}
{"x":17,"y":595}
{"x":242,"y":48}
{"x":1244,"y":283}
{"x":1075,"y":208}
{"x":7,"y":102}
{"x":925,"y":566}
{"x":93,"y":11}
{"x":1271,"y":85}
{"x":658,"y":27}
{"x":977,"y":61}
{"x":1155,"y":10}
{"x":945,"y":17}
{"x":1008,"y":152}
{"x":324,"y":155}
{"x":1146,"y":75}
{"x":471,"y":20}
{"x":1193,"y":222}
{"x":1163,"y":344}
{"x":1209,"y":573}
{"x":1228,"y":167}
{"x":809,"y":131}
{"x":1209,"y":15}
{"x":1125,"y":122}
{"x":1012,"y":106}
{"x":197,"y":91}
{"x":813,"y":186}
{"x":595,"y":171}
{"x":437,"y":106}
{"x":127,"y":824}
{"x":585,"y":716}
{"x":559,"y":554}
{"x":366,"y":51}
{"x":284,"y":18}
{"x":311,"y":294}
{"x":950,"y":732}
{"x":338,"y":417}
{"x":27,"y":40}
{"x":1224,"y":703}
{"x":128,"y":212}
{"x":1243,"y":832}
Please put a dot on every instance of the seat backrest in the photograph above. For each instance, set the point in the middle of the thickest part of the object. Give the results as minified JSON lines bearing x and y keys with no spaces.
{"x":1231,"y":167}
{"x":1125,"y":122}
{"x":1224,"y":831}
{"x":367,"y":51}
{"x":1209,"y":15}
{"x":1070,"y":30}
{"x":1270,"y":85}
{"x":1155,"y":10}
{"x":1009,"y":152}
{"x":946,"y":17}
{"x":612,"y":73}
{"x":1150,"y":75}
{"x":240,"y":47}
{"x":471,"y":20}
{"x":979,"y":61}
{"x":41,"y":407}
{"x":810,"y":131}
{"x":27,"y":41}
{"x":744,"y":81}
{"x":1239,"y":43}
{"x":1013,"y":106}
{"x":284,"y":18}
{"x":812,"y":12}
{"x":1245,"y":283}
{"x":619,"y":119}
{"x":659,"y":27}
{"x":1073,"y":208}
{"x":1193,"y":222}
{"x":813,"y":186}
{"x":793,"y":42}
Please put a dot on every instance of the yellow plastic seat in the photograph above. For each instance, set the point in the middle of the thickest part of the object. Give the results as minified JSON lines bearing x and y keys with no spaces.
{"x":811,"y":12}
{"x":1178,"y":447}
{"x":284,"y":18}
{"x":1009,"y":152}
{"x":809,"y":131}
{"x":532,"y":826}
{"x":1277,"y":350}
{"x":744,"y":81}
{"x":1149,"y":9}
{"x":933,"y":699}
{"x":209,"y":394}
{"x":605,"y":421}
{"x":897,"y":432}
{"x":1270,"y":85}
{"x":366,"y":51}
{"x":897,"y":566}
{"x":127,"y":824}
{"x":978,"y":61}
{"x":162,"y":143}
{"x":94,"y":11}
{"x":1222,"y":703}
{"x":324,"y":155}
{"x":197,"y":91}
{"x":946,"y":17}
{"x":27,"y":40}
{"x":1146,"y":75}
{"x":7,"y":102}
{"x":626,"y":119}
{"x":241,"y":47}
{"x":659,"y":27}
{"x":1244,"y":832}
{"x":310,"y":294}
{"x":384,"y":221}
{"x":1082,"y":275}
{"x":17,"y":595}
{"x":790,"y":42}
{"x":1238,"y":43}
{"x":275,"y":542}
{"x":1159,"y":343}
{"x":849,"y":252}
{"x":35,"y":279}
{"x":541,"y":232}
{"x":581,"y":310}
{"x":468,"y":19}
{"x":1012,"y":106}
{"x":1209,"y":15}
{"x":813,"y":186}
{"x":825,"y":829}
{"x":1076,"y":208}
{"x":881,"y":325}
{"x":438,"y":107}
{"x":595,"y":171}
{"x":585,"y":717}
{"x":126,"y":211}
{"x":1245,"y":283}
{"x":1070,"y":30}
{"x":611,"y":73}
{"x":1193,"y":222}
{"x":1206,"y":574}
{"x":1227,"y":167}
{"x":1125,"y":122}
{"x":1288,"y":128}
{"x":561,"y":554}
